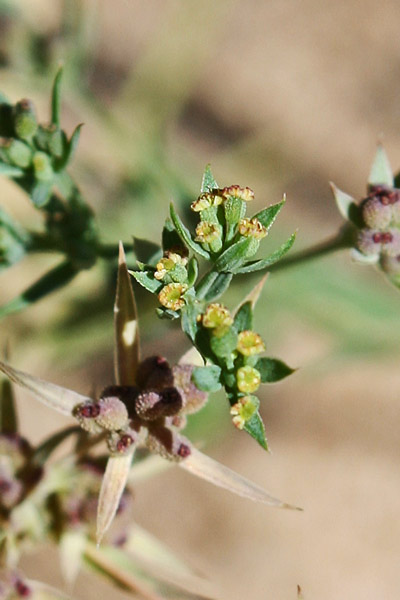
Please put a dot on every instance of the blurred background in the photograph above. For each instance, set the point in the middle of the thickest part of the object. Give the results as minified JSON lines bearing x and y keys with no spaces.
{"x":282,"y":96}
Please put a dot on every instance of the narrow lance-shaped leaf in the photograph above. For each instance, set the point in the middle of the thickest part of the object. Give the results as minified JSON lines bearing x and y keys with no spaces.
{"x":272,"y":369}
{"x":205,"y":467}
{"x":126,"y":356}
{"x":184,"y":234}
{"x":147,"y":280}
{"x":255,"y":427}
{"x":112,"y":487}
{"x":244,"y":317}
{"x":208,"y":182}
{"x":381,"y":171}
{"x":116,"y":565}
{"x":71,"y":146}
{"x":10,"y":171}
{"x":160,"y":561}
{"x":234,"y":256}
{"x":268,"y":215}
{"x":126,"y":360}
{"x":264,"y":263}
{"x":219,"y":287}
{"x":56,"y":98}
{"x":54,"y":396}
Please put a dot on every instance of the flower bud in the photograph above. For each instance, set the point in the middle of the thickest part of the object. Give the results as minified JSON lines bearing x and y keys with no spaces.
{"x":373,"y":242}
{"x":122,"y":442}
{"x":42,"y":166}
{"x":154,"y":373}
{"x":113,"y":413}
{"x":168,"y":444}
{"x":86,"y":414}
{"x":375,"y":214}
{"x":153,"y":405}
{"x":235,"y":191}
{"x":216,"y":316}
{"x":16,"y":152}
{"x":25,"y":123}
{"x":171,"y":295}
{"x":248,"y":379}
{"x":172,"y":264}
{"x":243,"y":410}
{"x":206,"y":200}
{"x":193,"y":398}
{"x":207,"y":233}
{"x":250,"y":343}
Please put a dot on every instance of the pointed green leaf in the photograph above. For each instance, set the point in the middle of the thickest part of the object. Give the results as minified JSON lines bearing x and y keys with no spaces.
{"x":8,"y":415}
{"x":206,"y":468}
{"x":244,"y":317}
{"x":224,"y":346}
{"x":208,"y":182}
{"x":189,"y":314}
{"x":10,"y":171}
{"x":381,"y":171}
{"x":268,"y":215}
{"x":72,"y":146}
{"x":41,"y":193}
{"x":218,"y":287}
{"x":112,"y":487}
{"x":72,"y":546}
{"x":193,"y":271}
{"x":126,"y":354}
{"x":147,"y":280}
{"x":264,"y":263}
{"x":54,"y":396}
{"x":50,"y":282}
{"x":255,"y":427}
{"x":234,"y":256}
{"x":185,"y":236}
{"x":56,"y":98}
{"x":207,"y":378}
{"x":272,"y":369}
{"x":167,"y":313}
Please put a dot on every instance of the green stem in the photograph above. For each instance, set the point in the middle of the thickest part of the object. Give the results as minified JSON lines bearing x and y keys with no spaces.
{"x":342,"y":240}
{"x":205,"y":283}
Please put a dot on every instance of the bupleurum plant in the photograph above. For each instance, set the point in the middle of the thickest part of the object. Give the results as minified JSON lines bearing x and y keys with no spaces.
{"x":73,"y":500}
{"x":135,"y":425}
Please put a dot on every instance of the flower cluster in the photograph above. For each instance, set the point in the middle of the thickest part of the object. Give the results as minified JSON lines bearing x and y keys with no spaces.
{"x":150,"y":413}
{"x":375,"y":219}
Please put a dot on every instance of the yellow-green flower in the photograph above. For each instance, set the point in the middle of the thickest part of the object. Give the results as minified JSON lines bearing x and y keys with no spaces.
{"x":248,"y":379}
{"x":243,"y":410}
{"x":217,"y":316}
{"x":206,"y":200}
{"x":206,"y":232}
{"x":252,"y":228}
{"x":171,"y":295}
{"x":167,"y":263}
{"x":235,"y":191}
{"x":250,"y":343}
